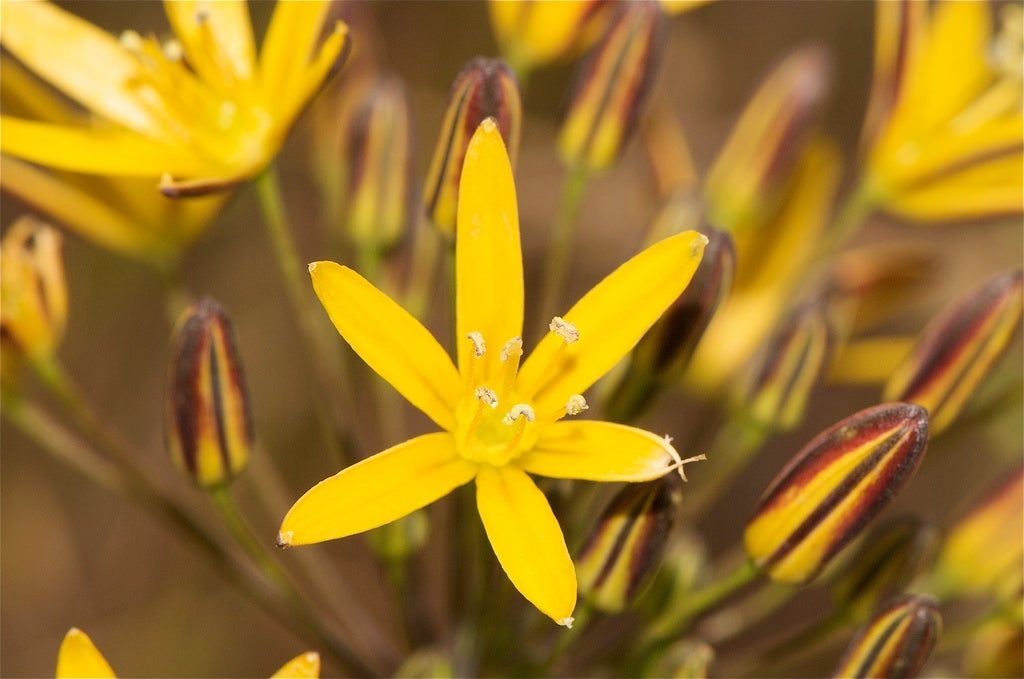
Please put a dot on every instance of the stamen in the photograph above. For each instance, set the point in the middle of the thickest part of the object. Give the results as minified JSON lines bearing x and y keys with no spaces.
{"x":510,"y":355}
{"x":567,"y":622}
{"x":479,"y":346}
{"x":564,"y":329}
{"x":486,"y":396}
{"x":131,"y":41}
{"x":678,"y":466}
{"x":173,"y":50}
{"x":576,"y":405}
{"x":517,"y":411}
{"x":513,"y":347}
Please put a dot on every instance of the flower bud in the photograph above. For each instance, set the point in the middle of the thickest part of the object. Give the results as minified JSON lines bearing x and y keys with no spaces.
{"x":896,"y":643}
{"x":890,"y":557}
{"x":687,"y":659}
{"x":959,"y":348}
{"x":833,"y":488}
{"x":625,"y":547}
{"x":750,"y":175}
{"x":983,"y":554}
{"x":611,"y":85}
{"x":379,"y":145}
{"x":486,"y":88}
{"x":534,"y":33}
{"x":33,"y":292}
{"x":788,"y":367}
{"x":208,"y":427}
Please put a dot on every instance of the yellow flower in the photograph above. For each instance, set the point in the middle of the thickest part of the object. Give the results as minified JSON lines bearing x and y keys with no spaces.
{"x":201,"y":112}
{"x":499,"y":422}
{"x":945,"y":122}
{"x":79,"y":657}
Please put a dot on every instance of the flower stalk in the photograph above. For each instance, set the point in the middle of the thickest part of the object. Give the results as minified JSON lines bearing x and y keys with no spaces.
{"x":563,"y":233}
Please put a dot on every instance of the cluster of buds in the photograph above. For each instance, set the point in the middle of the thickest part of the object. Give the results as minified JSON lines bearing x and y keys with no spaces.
{"x":207,"y":422}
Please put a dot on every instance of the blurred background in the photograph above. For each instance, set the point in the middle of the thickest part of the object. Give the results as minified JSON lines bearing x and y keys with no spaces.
{"x":74,"y":555}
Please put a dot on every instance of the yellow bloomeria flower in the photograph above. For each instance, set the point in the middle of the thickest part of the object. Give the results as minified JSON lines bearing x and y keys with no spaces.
{"x":78,"y":657}
{"x":201,"y":112}
{"x":500,"y":422}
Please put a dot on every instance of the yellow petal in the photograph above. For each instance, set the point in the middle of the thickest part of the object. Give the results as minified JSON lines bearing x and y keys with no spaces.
{"x":377,"y":490}
{"x":527,"y":540}
{"x":78,"y":58}
{"x":988,"y":190}
{"x":611,"y":319}
{"x":217,"y":38}
{"x":27,"y":96}
{"x":488,"y":257}
{"x":305,"y":85}
{"x":305,"y":666}
{"x":390,"y":340}
{"x":78,"y":657}
{"x":81,"y":149}
{"x":293,"y":31}
{"x":599,"y":451}
{"x":869,"y":361}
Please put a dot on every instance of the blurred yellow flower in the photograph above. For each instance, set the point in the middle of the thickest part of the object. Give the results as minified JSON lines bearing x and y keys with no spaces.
{"x":201,"y":112}
{"x":945,"y":128}
{"x":499,"y":422}
{"x":78,"y":657}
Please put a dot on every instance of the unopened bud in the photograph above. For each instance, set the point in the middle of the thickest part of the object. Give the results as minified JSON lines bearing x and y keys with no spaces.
{"x":611,"y":86}
{"x":33,"y":292}
{"x":751,"y":173}
{"x":959,"y":348}
{"x":687,"y":659}
{"x":896,"y":643}
{"x":983,"y":554}
{"x":208,"y":426}
{"x":788,"y":367}
{"x":626,"y":546}
{"x":380,"y":167}
{"x":833,"y":488}
{"x":890,"y":557}
{"x":486,"y":88}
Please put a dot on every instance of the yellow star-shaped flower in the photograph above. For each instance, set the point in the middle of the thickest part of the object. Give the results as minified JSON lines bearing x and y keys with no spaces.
{"x":501,"y":422}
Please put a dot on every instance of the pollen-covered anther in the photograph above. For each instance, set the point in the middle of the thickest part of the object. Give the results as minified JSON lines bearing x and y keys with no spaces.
{"x":679,"y":466}
{"x":513,"y":347}
{"x":698,"y":245}
{"x":173,"y":50}
{"x":576,"y":405}
{"x":517,"y":411}
{"x":284,"y":539}
{"x":479,"y":346}
{"x":567,"y":622}
{"x":131,"y":41}
{"x":486,"y":396}
{"x":564,"y":329}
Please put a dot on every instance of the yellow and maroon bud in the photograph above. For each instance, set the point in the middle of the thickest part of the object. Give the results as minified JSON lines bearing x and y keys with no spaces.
{"x":33,"y":292}
{"x":896,"y":642}
{"x":611,"y":86}
{"x":750,"y":175}
{"x":788,"y":366}
{"x":889,"y":558}
{"x":983,"y":554}
{"x":486,"y":88}
{"x":833,"y":488}
{"x":379,"y":148}
{"x":959,"y":348}
{"x":532,"y":33}
{"x":207,"y":423}
{"x":686,"y":659}
{"x":626,"y":546}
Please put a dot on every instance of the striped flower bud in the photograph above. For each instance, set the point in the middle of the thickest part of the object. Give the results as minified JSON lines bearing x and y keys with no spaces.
{"x":208,"y":427}
{"x":788,"y":367}
{"x":486,"y":88}
{"x":896,"y":643}
{"x":626,"y":545}
{"x":687,"y":659}
{"x":959,"y":348}
{"x":380,"y":167}
{"x":833,"y":488}
{"x":611,"y":85}
{"x":983,"y":554}
{"x":751,"y":173}
{"x":890,"y":557}
{"x":33,"y":292}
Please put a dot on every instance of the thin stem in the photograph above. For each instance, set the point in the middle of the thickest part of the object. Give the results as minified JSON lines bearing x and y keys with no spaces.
{"x":290,"y":266}
{"x":857,"y":207}
{"x":563,"y":232}
{"x":247,"y":540}
{"x":426,"y":254}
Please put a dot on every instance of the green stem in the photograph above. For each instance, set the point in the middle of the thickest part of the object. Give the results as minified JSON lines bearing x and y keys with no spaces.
{"x":247,"y":540}
{"x":563,"y":232}
{"x":425,"y":256}
{"x":857,"y":207}
{"x":290,"y":266}
{"x":124,"y":480}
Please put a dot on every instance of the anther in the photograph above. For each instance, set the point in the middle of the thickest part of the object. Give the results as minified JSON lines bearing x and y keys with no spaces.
{"x":681,"y":463}
{"x":695,"y":248}
{"x":173,"y":50}
{"x":284,"y":539}
{"x":517,"y":411}
{"x":486,"y":396}
{"x":479,"y":346}
{"x":564,"y":329}
{"x":513,"y":347}
{"x":576,"y":405}
{"x":131,"y":41}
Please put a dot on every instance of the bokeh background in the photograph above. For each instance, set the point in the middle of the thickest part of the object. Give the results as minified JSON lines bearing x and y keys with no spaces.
{"x":73,"y":554}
